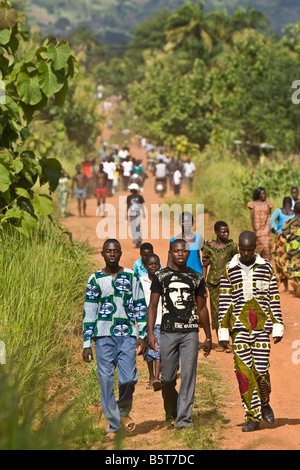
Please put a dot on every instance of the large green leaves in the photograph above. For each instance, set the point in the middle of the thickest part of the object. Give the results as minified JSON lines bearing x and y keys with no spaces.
{"x":42,"y":204}
{"x":4,"y":36}
{"x":50,"y":80}
{"x":59,"y":55}
{"x":29,"y":88}
{"x":43,"y":73}
{"x":51,"y":169}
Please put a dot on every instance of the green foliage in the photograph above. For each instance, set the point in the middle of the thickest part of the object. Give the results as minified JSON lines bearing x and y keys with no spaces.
{"x":219,"y":188}
{"x":79,"y":114}
{"x":172,"y":103}
{"x":25,"y":419}
{"x":221,"y":78}
{"x":277,"y":179}
{"x":43,"y":316}
{"x":182,"y":147}
{"x":43,"y":388}
{"x":29,"y":82}
{"x":252,"y":92}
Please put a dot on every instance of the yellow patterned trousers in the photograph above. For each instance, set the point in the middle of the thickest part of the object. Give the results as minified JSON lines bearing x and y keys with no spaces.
{"x":251,"y":361}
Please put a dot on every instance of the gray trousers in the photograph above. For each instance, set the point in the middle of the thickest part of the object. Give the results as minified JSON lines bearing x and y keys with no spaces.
{"x":178,"y":348}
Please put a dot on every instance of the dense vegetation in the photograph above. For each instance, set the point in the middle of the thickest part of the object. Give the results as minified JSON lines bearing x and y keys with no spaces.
{"x":112,"y":20}
{"x":215,"y":78}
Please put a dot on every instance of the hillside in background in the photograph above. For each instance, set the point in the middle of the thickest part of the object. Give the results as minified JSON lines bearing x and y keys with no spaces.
{"x":112,"y":20}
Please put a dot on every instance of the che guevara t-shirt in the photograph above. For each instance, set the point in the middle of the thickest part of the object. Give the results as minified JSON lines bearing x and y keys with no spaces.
{"x":178,"y":292}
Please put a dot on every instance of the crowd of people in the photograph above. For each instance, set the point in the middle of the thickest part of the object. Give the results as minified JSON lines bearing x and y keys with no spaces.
{"x":284,"y":224}
{"x":116,"y":169}
{"x":158,"y":310}
{"x":164,"y":308}
{"x":161,"y":309}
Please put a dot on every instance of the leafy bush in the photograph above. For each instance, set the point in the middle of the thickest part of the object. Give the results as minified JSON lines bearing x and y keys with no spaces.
{"x":277,"y":179}
{"x":29,"y":83}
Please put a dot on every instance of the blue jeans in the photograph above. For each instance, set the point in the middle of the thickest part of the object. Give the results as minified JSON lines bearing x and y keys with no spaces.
{"x":113,"y":351}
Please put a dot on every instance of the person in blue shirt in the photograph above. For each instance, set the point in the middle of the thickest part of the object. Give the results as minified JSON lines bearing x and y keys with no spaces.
{"x":277,"y":221}
{"x":280,"y":216}
{"x":195,"y":241}
{"x":139,"y":265}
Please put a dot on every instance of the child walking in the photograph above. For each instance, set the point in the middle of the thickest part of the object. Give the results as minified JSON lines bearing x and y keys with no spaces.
{"x":152,"y":264}
{"x":216,"y":254}
{"x":139,"y":266}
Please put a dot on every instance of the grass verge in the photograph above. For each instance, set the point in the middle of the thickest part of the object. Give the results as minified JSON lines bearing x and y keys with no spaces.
{"x":44,"y":390}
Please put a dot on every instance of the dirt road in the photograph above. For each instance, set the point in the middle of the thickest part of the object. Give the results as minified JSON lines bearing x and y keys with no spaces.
{"x":285,"y":356}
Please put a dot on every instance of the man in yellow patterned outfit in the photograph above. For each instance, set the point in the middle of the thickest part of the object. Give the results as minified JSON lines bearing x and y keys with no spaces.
{"x":249,"y":311}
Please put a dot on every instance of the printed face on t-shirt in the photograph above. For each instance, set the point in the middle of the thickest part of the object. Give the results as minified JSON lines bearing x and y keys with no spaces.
{"x":180,"y":294}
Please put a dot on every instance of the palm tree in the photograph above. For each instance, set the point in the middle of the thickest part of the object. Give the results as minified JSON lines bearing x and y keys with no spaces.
{"x":218,"y":22}
{"x":247,"y":17}
{"x":189,"y":25}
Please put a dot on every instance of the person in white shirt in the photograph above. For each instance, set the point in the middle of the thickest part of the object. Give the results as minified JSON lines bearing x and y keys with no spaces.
{"x":160,"y":156}
{"x":109,"y":167}
{"x":152,"y":264}
{"x":189,"y":170}
{"x":161,"y":170}
{"x":127,"y":169}
{"x":123,"y":153}
{"x":177,"y":176}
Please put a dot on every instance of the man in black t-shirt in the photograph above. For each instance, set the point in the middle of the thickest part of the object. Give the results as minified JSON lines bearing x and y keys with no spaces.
{"x":182,"y":291}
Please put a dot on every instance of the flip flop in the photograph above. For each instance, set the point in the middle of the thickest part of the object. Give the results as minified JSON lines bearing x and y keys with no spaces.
{"x":110,"y":437}
{"x":157,"y":385}
{"x":170,"y":423}
{"x":149,"y":386}
{"x":128,"y":423}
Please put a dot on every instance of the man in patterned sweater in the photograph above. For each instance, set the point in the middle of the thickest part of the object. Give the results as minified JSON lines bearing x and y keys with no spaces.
{"x":115,"y":315}
{"x":249,"y":311}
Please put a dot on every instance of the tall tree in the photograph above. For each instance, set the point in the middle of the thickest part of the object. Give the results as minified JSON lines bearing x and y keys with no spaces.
{"x":189,"y":26}
{"x":248,"y":17}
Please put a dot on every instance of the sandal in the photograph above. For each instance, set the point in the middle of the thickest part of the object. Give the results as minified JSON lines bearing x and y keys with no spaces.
{"x":170,"y":422}
{"x":128,"y":423}
{"x":110,"y":437}
{"x":220,"y":349}
{"x":149,"y":386}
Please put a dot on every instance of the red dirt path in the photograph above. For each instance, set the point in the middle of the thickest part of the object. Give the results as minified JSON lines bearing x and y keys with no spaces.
{"x":285,"y":358}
